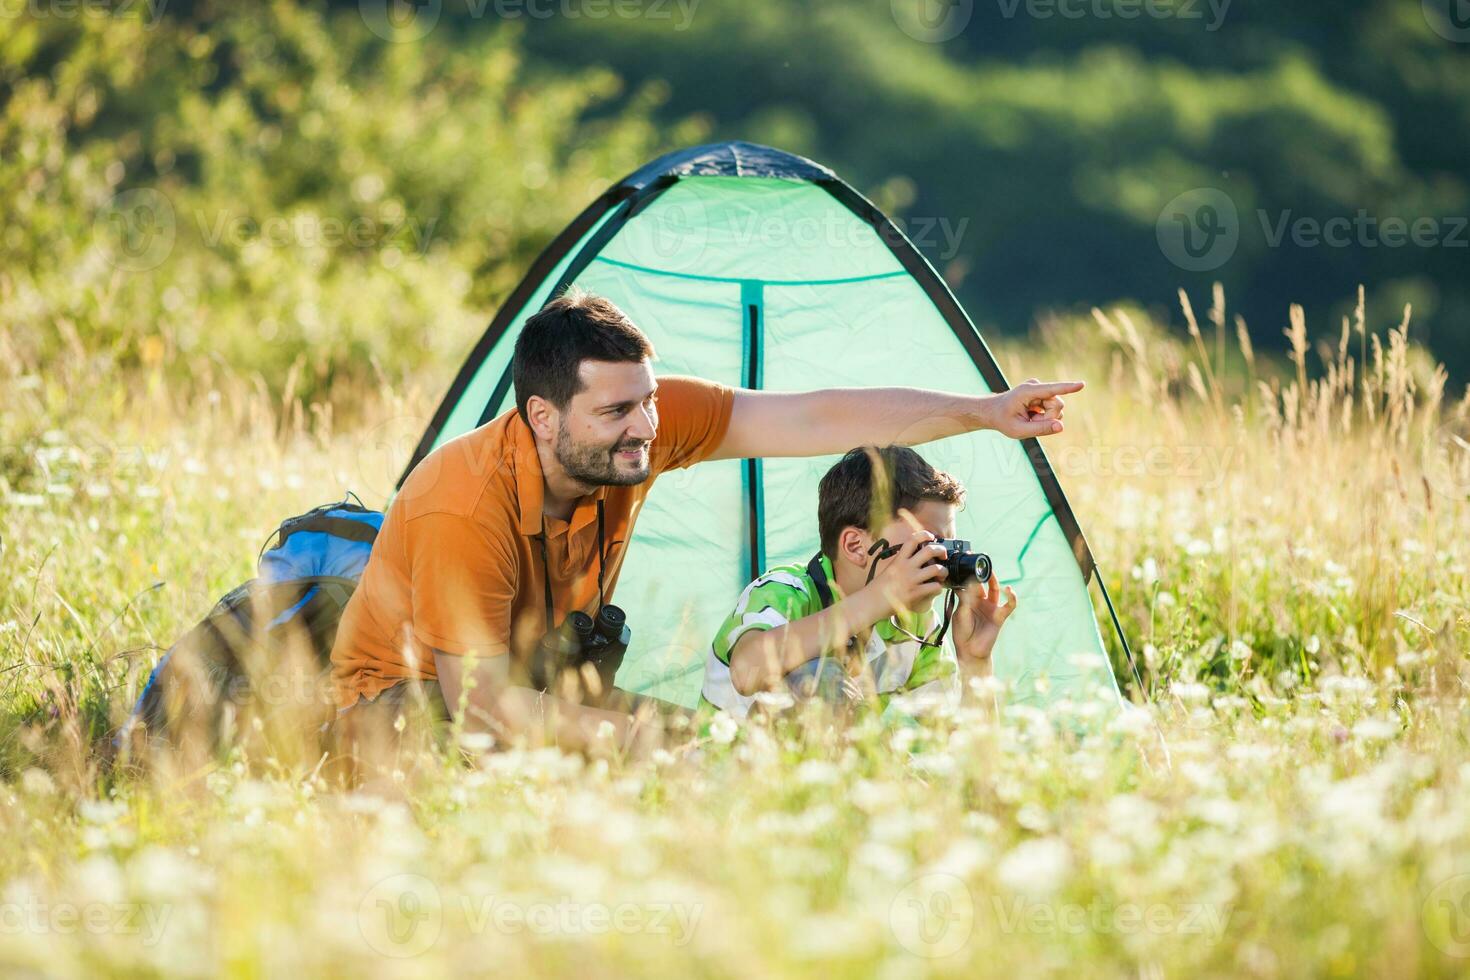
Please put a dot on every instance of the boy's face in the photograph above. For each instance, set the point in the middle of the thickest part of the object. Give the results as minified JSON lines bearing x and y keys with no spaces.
{"x":934,"y":516}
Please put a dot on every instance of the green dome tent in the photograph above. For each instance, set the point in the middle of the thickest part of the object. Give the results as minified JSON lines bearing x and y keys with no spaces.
{"x":761,"y":269}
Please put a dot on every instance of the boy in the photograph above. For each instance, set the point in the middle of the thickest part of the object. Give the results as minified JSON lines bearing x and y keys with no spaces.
{"x":841,"y":629}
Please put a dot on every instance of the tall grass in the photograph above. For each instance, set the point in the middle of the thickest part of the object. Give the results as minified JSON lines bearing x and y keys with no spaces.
{"x":1287,"y":542}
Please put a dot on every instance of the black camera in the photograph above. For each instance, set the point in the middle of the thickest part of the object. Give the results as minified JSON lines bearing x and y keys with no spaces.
{"x":581,"y":639}
{"x":962,"y":565}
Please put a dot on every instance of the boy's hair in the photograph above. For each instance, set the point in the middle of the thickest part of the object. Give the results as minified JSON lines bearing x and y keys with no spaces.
{"x":575,"y":327}
{"x":868,"y":486}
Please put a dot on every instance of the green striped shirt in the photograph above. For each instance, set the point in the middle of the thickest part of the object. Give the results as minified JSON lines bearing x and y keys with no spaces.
{"x":787,"y":593}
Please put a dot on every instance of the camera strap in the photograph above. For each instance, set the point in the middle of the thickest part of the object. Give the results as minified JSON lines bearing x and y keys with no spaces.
{"x":818,"y":575}
{"x":546,"y":566}
{"x":881,"y":550}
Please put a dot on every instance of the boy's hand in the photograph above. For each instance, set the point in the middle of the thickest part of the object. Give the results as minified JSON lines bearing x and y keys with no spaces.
{"x":979,"y":617}
{"x":908,"y":581}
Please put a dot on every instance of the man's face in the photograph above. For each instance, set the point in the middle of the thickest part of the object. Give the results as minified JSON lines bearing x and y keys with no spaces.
{"x":605,"y":431}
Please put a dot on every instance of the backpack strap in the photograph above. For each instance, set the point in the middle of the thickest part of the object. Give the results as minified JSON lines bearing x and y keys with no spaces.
{"x":340,"y":527}
{"x":818,"y":575}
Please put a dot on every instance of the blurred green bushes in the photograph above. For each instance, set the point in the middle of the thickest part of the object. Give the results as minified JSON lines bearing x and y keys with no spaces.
{"x":1057,"y":133}
{"x":264,"y":184}
{"x":341,"y":181}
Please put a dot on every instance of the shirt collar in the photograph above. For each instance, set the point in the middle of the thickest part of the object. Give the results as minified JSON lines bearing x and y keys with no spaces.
{"x":827,"y":570}
{"x":530,"y":489}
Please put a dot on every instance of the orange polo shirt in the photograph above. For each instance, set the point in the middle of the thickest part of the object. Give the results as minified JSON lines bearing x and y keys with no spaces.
{"x":457,"y":566}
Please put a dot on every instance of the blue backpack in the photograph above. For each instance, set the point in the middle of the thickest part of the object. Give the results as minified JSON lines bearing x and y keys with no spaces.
{"x":268,"y":642}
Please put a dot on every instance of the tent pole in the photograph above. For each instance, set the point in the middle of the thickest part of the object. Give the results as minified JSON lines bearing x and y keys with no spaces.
{"x":1122,"y":637}
{"x":752,"y":302}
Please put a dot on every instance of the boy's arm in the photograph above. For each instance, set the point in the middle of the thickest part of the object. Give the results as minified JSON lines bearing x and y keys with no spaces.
{"x":761,"y":658}
{"x":982,"y":611}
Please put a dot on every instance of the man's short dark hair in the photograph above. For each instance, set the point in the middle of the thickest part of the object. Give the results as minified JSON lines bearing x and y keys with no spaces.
{"x":575,"y":327}
{"x":868,"y":486}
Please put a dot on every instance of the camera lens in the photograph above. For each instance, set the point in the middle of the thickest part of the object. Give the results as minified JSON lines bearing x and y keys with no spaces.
{"x":968,"y":566}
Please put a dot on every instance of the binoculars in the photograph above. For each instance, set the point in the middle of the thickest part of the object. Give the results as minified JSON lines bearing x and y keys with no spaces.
{"x":579,"y":640}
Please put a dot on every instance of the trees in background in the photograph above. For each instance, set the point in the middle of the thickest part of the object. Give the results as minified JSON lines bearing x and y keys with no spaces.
{"x":329,"y":182}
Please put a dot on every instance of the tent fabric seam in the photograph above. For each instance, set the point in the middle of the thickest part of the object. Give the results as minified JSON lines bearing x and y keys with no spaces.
{"x":895,"y":274}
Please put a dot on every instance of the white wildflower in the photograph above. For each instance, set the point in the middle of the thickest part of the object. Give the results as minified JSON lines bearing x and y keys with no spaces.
{"x":963,"y":858}
{"x":1107,"y":850}
{"x":483,"y":741}
{"x":723,"y":728}
{"x":98,"y":878}
{"x":1034,"y":818}
{"x":1375,"y":730}
{"x":1036,"y":867}
{"x":869,"y":796}
{"x":37,"y":781}
{"x":1190,"y":692}
{"x":903,"y":739}
{"x":162,"y":872}
{"x":817,"y":772}
{"x":885,"y":859}
{"x":101,"y":811}
{"x":775,"y":700}
{"x":1217,"y":810}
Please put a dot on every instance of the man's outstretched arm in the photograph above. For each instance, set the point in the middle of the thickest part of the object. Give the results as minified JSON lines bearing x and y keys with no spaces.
{"x":834,"y":420}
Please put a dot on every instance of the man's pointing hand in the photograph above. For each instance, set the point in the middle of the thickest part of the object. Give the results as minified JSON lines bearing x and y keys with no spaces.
{"x":1033,"y":408}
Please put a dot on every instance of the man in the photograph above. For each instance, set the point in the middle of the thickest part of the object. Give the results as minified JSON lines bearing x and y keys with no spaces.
{"x":532,"y":512}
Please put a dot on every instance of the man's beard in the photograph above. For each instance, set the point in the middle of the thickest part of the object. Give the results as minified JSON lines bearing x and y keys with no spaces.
{"x":597,"y":465}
